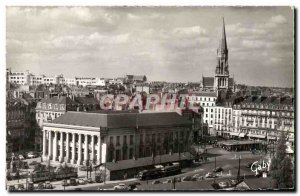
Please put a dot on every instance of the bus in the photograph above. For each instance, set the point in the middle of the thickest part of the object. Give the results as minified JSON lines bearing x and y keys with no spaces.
{"x":171,"y":170}
{"x":150,"y":174}
{"x":42,"y":176}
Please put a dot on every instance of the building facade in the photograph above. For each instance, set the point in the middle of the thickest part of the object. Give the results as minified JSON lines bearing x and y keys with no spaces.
{"x":264,"y":118}
{"x":78,"y":137}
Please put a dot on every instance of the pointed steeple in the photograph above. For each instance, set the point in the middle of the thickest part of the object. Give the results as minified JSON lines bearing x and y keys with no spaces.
{"x":223,"y":45}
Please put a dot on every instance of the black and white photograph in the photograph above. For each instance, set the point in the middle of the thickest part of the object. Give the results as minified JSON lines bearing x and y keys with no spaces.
{"x":150,"y":98}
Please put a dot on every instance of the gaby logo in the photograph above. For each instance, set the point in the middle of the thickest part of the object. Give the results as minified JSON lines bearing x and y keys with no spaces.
{"x":257,"y":166}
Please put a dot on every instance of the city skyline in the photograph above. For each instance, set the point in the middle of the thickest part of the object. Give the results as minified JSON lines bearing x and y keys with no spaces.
{"x":177,"y":44}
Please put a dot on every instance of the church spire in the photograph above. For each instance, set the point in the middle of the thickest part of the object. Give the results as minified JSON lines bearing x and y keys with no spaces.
{"x":223,"y":40}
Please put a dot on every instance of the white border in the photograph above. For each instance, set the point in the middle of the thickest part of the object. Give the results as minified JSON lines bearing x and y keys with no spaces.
{"x":4,"y":3}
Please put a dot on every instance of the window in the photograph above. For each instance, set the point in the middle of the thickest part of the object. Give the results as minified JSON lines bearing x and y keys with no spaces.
{"x":62,"y":106}
{"x":55,"y":106}
{"x":118,"y":140}
{"x":125,"y":140}
{"x":50,"y":106}
{"x":141,"y":138}
{"x":111,"y":140}
{"x":131,"y":140}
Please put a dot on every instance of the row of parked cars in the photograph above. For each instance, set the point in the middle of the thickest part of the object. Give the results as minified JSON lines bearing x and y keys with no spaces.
{"x":22,"y":156}
{"x":31,"y":186}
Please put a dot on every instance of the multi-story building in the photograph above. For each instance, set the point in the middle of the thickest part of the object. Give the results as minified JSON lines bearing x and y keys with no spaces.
{"x":264,"y":118}
{"x":36,"y":80}
{"x":57,"y":79}
{"x":90,"y":81}
{"x":207,"y":100}
{"x":53,"y":107}
{"x":126,"y":142}
{"x":21,"y":78}
{"x":15,"y":125}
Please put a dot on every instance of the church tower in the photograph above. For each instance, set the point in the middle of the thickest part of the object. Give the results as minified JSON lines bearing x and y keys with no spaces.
{"x":221,"y":80}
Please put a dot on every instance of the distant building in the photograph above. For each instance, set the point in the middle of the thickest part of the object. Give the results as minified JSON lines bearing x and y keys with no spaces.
{"x":135,"y":78}
{"x":21,"y":78}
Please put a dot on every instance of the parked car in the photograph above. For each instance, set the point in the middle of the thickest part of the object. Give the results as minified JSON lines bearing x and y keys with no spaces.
{"x":89,"y":180}
{"x":30,"y":186}
{"x":121,"y":187}
{"x":167,"y":181}
{"x":189,"y":178}
{"x":72,"y":182}
{"x":11,"y":188}
{"x":218,"y":169}
{"x":210,"y":175}
{"x":41,"y":186}
{"x":156,"y":182}
{"x":81,"y":181}
{"x":21,"y":187}
{"x":223,"y":184}
{"x":48,"y":185}
{"x":21,"y":157}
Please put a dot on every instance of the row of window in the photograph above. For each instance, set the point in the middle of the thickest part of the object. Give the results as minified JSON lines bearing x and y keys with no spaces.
{"x":51,"y":106}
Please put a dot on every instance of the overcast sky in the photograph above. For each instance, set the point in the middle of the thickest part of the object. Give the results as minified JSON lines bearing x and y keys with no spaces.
{"x":164,"y":43}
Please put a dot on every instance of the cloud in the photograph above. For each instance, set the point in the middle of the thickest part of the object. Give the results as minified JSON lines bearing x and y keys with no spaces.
{"x":189,"y":31}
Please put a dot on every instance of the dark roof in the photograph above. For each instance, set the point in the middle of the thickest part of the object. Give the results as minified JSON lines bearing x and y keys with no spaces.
{"x":146,"y":161}
{"x":117,"y":120}
{"x":208,"y":81}
{"x":86,"y":100}
{"x":205,"y":94}
{"x":58,"y":100}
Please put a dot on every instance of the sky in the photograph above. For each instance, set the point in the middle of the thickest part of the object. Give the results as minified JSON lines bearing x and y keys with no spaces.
{"x":176,"y":44}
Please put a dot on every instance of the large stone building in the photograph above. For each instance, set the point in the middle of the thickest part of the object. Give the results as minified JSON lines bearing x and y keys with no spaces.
{"x":114,"y":138}
{"x":264,"y":118}
{"x":222,"y":80}
{"x":51,"y":108}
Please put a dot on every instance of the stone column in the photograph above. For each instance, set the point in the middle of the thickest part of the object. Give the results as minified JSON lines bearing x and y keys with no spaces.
{"x":61,"y":154}
{"x":44,"y":145}
{"x":55,"y":146}
{"x":79,"y":150}
{"x":73,"y":148}
{"x":99,"y":150}
{"x":93,"y":148}
{"x":86,"y":148}
{"x":49,"y":145}
{"x":67,"y":148}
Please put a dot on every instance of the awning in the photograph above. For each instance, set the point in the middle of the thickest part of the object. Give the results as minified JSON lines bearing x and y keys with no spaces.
{"x":257,"y":136}
{"x":235,"y":133}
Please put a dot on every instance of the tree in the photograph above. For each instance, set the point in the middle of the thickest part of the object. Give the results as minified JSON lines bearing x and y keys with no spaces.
{"x":281,"y":166}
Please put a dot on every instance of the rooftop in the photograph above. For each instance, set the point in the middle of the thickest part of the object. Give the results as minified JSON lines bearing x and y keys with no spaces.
{"x":122,"y":120}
